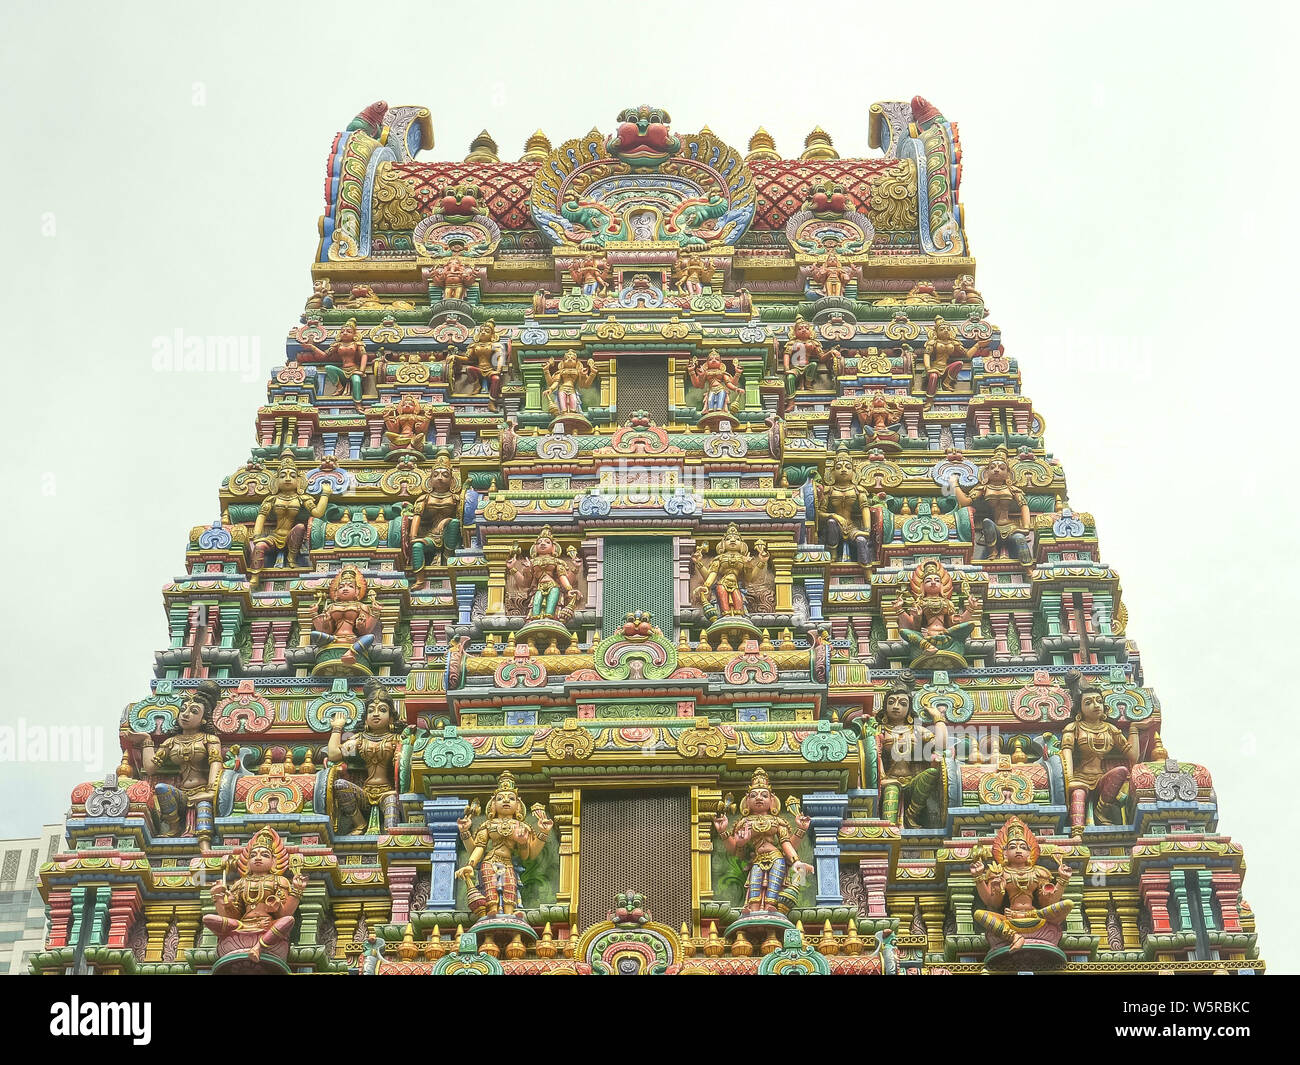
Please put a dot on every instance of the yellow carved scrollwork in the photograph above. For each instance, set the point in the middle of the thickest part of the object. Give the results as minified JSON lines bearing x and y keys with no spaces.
{"x":893,"y":198}
{"x":572,"y":743}
{"x":393,"y":201}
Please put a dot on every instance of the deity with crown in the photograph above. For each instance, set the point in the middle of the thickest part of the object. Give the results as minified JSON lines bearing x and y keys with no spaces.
{"x":255,"y":913}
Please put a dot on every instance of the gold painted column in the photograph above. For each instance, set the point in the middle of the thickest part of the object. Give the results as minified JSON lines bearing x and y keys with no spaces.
{"x":1126,"y":906}
{"x":496,"y":553}
{"x":933,"y":908}
{"x":156,"y":922}
{"x":565,"y":812}
{"x":704,"y":806}
{"x":782,"y":552}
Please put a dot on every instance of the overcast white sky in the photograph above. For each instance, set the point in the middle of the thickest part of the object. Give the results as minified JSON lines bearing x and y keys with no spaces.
{"x":1127,"y":174}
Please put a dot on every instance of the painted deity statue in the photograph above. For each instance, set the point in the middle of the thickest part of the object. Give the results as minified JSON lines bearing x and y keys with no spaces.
{"x":964,"y":290}
{"x":909,"y":758}
{"x":721,"y":589}
{"x":832,"y":275}
{"x":850,"y":520}
{"x":564,"y":377}
{"x":718,"y":383}
{"x":591,"y":276}
{"x":486,"y":362}
{"x":879,"y":417}
{"x":1024,"y":900}
{"x":930,"y":622}
{"x":431,"y":526}
{"x":406,"y":423}
{"x":345,"y":361}
{"x":495,"y":844}
{"x":802,"y":355}
{"x":191,"y":753}
{"x":1097,"y":757}
{"x":453,"y":275}
{"x":255,"y":913}
{"x":943,"y":358}
{"x":550,"y":576}
{"x":375,"y":743}
{"x":285,"y":507}
{"x":347,"y":614}
{"x":1002,"y":510}
{"x":692,"y":275}
{"x":764,"y":840}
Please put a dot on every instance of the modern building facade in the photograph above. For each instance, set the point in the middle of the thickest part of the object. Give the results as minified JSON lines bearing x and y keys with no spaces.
{"x":22,"y":910}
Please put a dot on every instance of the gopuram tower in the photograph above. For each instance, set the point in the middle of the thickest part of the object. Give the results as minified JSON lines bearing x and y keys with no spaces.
{"x":646,"y":562}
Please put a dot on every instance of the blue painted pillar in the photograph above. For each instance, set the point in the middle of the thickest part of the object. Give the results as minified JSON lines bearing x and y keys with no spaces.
{"x":440,"y":816}
{"x":815,"y":589}
{"x":827,"y":810}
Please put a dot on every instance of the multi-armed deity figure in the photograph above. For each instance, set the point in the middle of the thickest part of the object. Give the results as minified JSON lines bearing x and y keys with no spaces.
{"x":909,"y":757}
{"x":256,"y":911}
{"x":1097,"y":757}
{"x":832,"y":275}
{"x":764,"y":840}
{"x":724,"y":577}
{"x":692,"y":275}
{"x":347,"y":619}
{"x":406,"y":423}
{"x":564,"y":377}
{"x":591,"y":276}
{"x":929,"y":621}
{"x":943,"y":357}
{"x":879,"y":417}
{"x":486,"y":362}
{"x":375,"y":743}
{"x":345,"y":361}
{"x":1025,"y":907}
{"x":191,"y":753}
{"x":431,"y":526}
{"x":719,"y":383}
{"x":453,"y":275}
{"x":495,"y":844}
{"x":286,"y":506}
{"x":802,"y":355}
{"x":551,"y":579}
{"x":851,"y":520}
{"x":1002,"y":510}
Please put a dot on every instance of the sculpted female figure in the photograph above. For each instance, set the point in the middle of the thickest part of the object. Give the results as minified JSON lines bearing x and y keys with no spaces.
{"x":486,"y":361}
{"x":929,"y":620}
{"x":564,"y":377}
{"x":850,"y":519}
{"x":719,"y":385}
{"x":908,"y":754}
{"x":1023,"y":899}
{"x":944,"y":357}
{"x":285,"y":507}
{"x":1002,"y":510}
{"x":375,"y":743}
{"x":347,"y":614}
{"x":345,"y":359}
{"x":256,"y":911}
{"x":1097,"y":757}
{"x":725,"y":575}
{"x":192,"y":752}
{"x":765,"y":840}
{"x":438,"y":510}
{"x":495,"y":843}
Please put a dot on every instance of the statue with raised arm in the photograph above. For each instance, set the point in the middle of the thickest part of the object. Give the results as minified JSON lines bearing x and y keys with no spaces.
{"x":1025,"y":904}
{"x":765,"y":842}
{"x":496,"y":843}
{"x":255,"y":913}
{"x":287,"y":509}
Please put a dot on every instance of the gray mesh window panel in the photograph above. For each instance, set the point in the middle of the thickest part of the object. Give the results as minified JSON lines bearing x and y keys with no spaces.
{"x":638,"y":575}
{"x":642,"y":384}
{"x":635,"y":841}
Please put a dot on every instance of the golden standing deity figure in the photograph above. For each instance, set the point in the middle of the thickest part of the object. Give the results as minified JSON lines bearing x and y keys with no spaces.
{"x":692,"y":275}
{"x":486,"y":362}
{"x":721,"y":590}
{"x":256,"y":911}
{"x":764,"y":840}
{"x":719,"y":384}
{"x":1024,"y":900}
{"x":851,"y":520}
{"x":494,"y":844}
{"x":285,"y":506}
